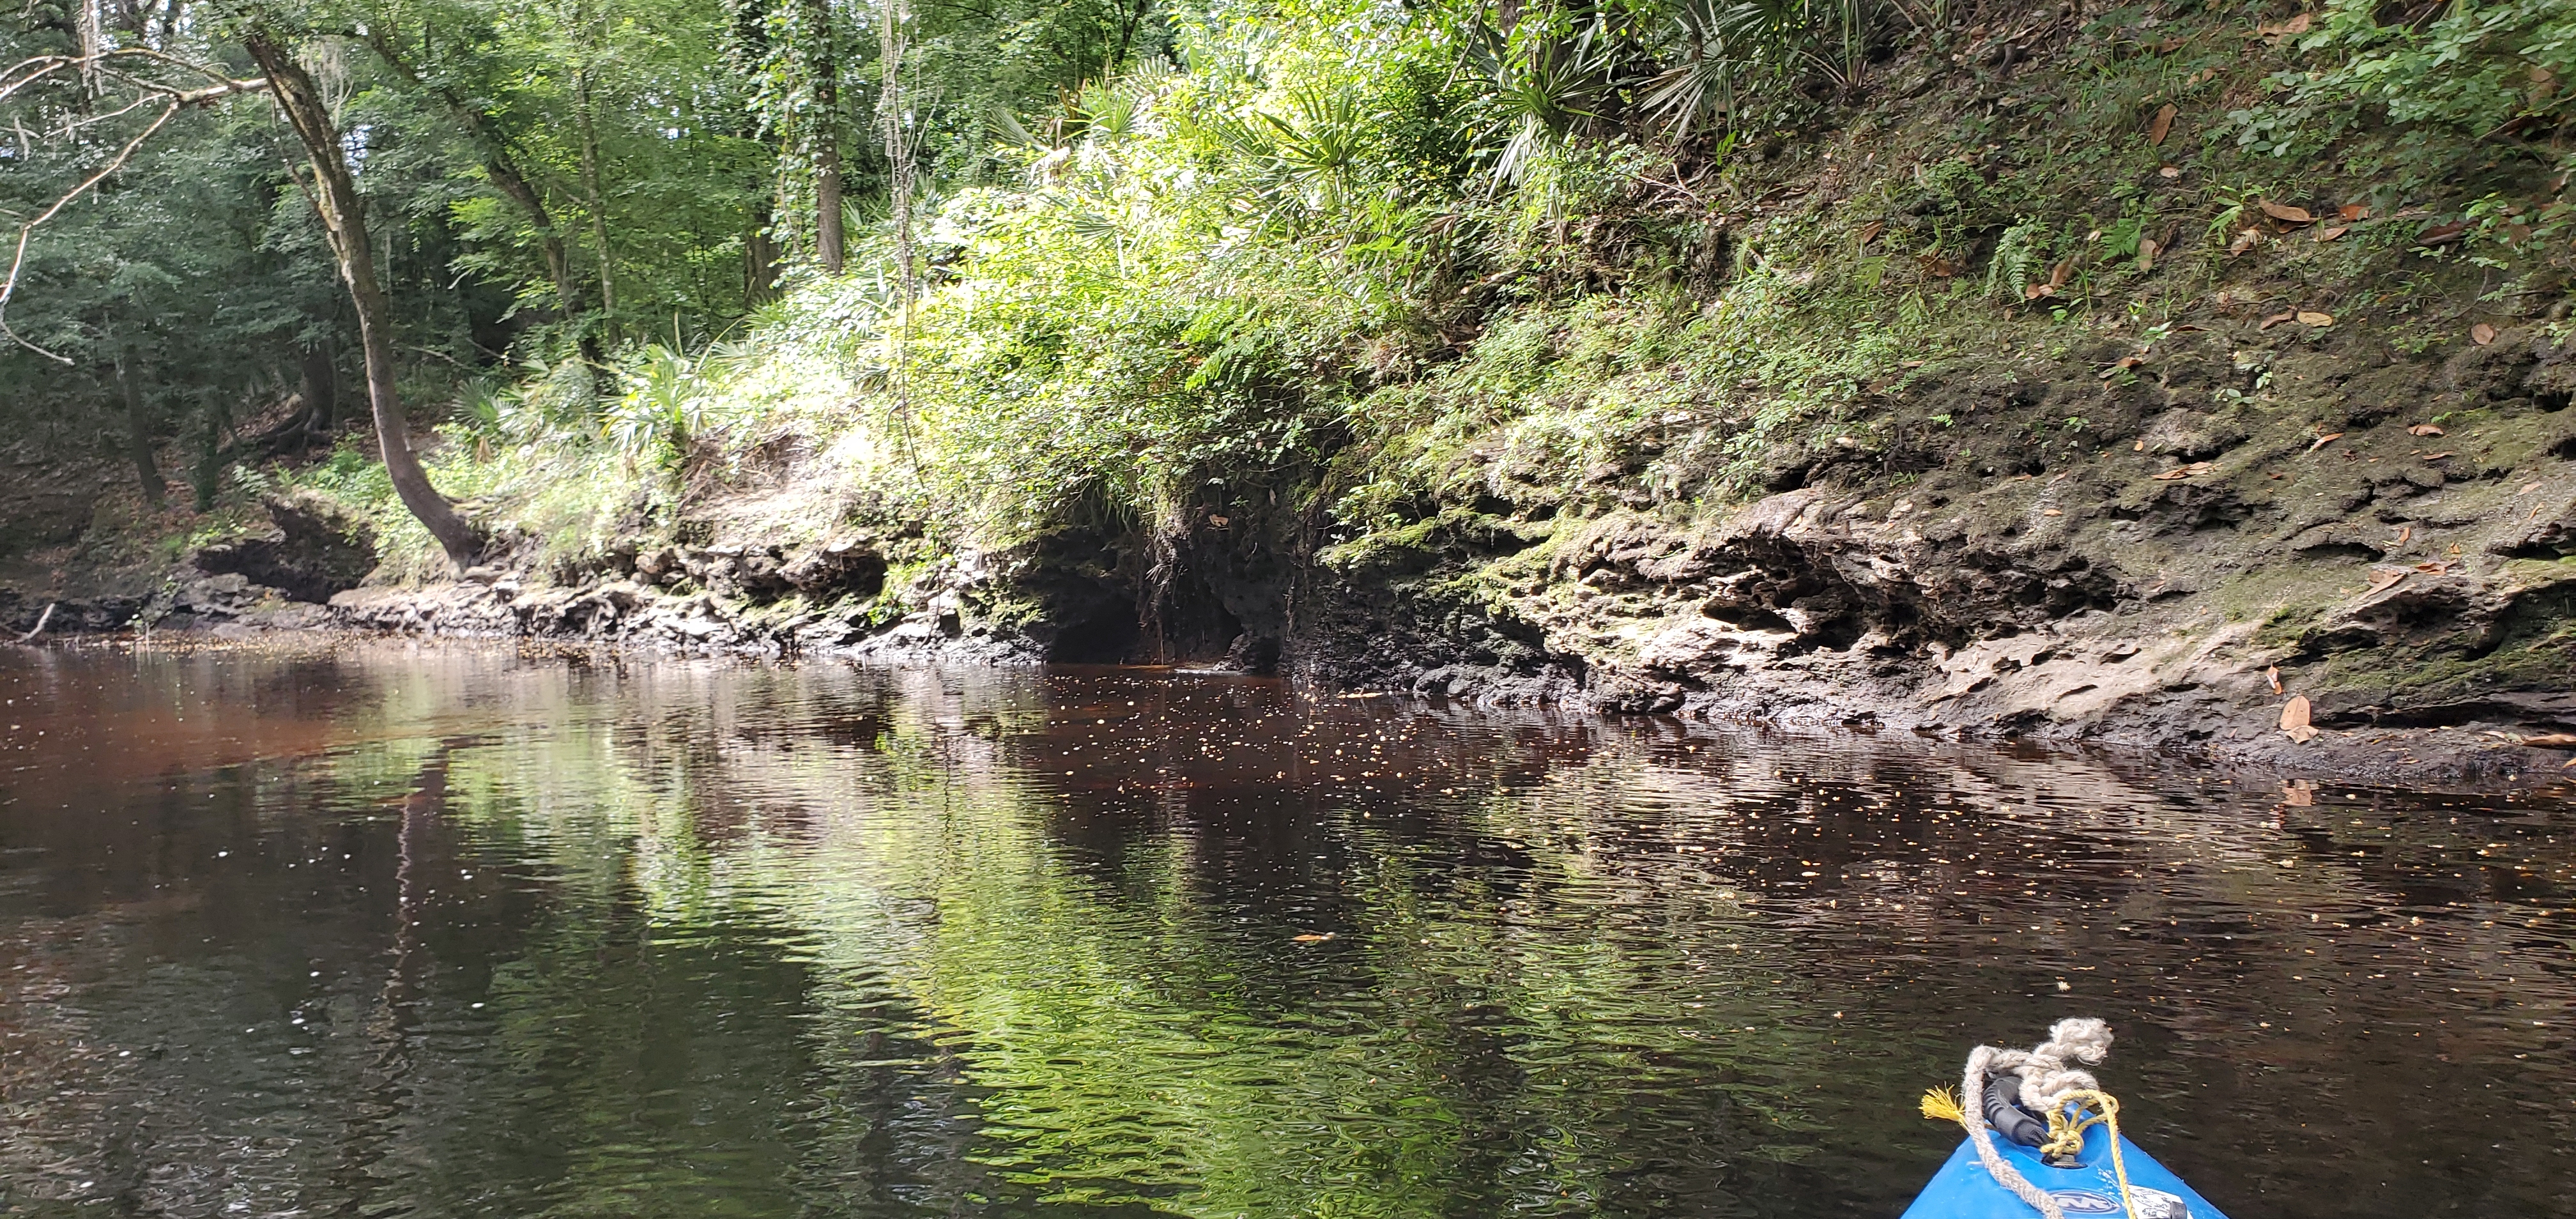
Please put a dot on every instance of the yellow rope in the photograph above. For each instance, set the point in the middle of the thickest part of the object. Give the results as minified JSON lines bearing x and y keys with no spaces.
{"x":2109,"y":1116}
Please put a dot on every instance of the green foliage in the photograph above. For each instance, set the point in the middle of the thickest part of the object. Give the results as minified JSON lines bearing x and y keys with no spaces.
{"x":2482,"y":69}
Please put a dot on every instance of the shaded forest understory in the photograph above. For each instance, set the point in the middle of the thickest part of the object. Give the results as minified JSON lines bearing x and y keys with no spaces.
{"x":2153,"y":375}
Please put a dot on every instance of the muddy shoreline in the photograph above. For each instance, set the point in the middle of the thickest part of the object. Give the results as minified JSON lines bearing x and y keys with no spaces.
{"x":628,"y":617}
{"x":2242,"y":520}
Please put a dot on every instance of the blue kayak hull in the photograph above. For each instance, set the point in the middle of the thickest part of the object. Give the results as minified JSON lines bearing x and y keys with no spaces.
{"x":1964,"y":1190}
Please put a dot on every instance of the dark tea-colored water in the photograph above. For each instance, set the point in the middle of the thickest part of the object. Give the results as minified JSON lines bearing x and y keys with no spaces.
{"x":454,"y":931}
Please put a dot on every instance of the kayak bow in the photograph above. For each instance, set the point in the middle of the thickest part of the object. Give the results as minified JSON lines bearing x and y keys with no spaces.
{"x":2045,"y":1139}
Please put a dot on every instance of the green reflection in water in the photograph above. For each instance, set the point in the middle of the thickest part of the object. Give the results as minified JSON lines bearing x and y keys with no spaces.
{"x":459,"y":933}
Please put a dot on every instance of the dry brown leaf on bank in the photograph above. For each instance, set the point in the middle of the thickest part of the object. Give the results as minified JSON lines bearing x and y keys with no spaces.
{"x":2332,"y":233}
{"x":2353,"y":211}
{"x":2036,"y":291}
{"x":2323,"y":441}
{"x":2434,"y":569}
{"x":2277,"y":318}
{"x":2310,"y":317}
{"x":2169,"y":171}
{"x":2384,"y":578}
{"x":2404,"y":532}
{"x":2294,"y":720}
{"x":2552,"y":740}
{"x":2051,"y":512}
{"x":2528,"y":488}
{"x":2162,"y":126}
{"x":2424,"y":429}
{"x":2442,"y":234}
{"x":2482,"y":334}
{"x":2444,"y":455}
{"x":2182,"y":471}
{"x":1220,"y":522}
{"x":2139,"y":447}
{"x":2244,"y":241}
{"x":2273,"y":675}
{"x":2287,"y":214}
{"x":2147,"y":251}
{"x":1869,"y":232}
{"x":2117,"y":365}
{"x":2292,"y":28}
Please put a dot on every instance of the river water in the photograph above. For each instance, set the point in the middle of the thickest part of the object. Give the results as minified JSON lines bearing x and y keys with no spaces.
{"x":387,"y":930}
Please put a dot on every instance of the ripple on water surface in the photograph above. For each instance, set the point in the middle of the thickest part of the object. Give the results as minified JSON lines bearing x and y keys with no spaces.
{"x":453,"y":931}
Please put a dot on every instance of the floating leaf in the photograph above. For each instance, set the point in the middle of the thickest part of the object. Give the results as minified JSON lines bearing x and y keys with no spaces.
{"x":1312,"y":938}
{"x":2162,"y":126}
{"x":2310,"y":317}
{"x":2287,"y":214}
{"x":2482,"y":334}
{"x":2424,"y":429}
{"x":2323,"y":441}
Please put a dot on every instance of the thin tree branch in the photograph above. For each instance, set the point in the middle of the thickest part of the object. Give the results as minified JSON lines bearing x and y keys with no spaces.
{"x":178,"y":99}
{"x":18,"y":262}
{"x":70,"y":126}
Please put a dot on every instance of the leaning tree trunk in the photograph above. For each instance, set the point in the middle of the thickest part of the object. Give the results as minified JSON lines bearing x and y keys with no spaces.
{"x":335,"y":195}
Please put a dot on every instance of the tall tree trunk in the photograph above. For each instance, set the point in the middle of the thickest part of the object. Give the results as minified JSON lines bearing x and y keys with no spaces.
{"x":335,"y":195}
{"x":590,"y":187}
{"x":320,"y":388}
{"x":138,"y":436}
{"x":823,"y":133}
{"x":759,"y":257}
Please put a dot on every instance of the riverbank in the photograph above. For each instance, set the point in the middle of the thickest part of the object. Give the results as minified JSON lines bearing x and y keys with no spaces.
{"x":2078,"y":379}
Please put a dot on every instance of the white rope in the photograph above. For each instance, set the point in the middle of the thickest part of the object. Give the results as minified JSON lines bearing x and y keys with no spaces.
{"x":2046,"y":1079}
